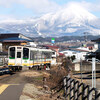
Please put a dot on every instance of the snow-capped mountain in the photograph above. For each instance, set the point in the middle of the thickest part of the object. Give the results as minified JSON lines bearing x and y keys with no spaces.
{"x":72,"y":20}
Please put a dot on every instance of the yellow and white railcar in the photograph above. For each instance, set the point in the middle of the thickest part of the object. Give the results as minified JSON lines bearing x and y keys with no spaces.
{"x":20,"y":56}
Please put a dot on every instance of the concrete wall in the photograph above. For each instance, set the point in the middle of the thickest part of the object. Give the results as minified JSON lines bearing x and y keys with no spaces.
{"x":86,"y":67}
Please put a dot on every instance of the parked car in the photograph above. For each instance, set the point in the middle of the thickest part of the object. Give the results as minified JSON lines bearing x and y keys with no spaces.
{"x":90,"y":60}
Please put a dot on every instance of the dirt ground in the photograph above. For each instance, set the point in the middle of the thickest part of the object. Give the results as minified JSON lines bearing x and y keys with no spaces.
{"x":43,"y":85}
{"x":40,"y":83}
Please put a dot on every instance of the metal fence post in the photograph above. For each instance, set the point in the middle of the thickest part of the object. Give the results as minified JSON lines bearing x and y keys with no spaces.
{"x":74,"y":90}
{"x":64,"y":81}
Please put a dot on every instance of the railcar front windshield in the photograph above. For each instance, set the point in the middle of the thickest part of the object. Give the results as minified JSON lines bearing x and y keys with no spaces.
{"x":25,"y":53}
{"x":12,"y":53}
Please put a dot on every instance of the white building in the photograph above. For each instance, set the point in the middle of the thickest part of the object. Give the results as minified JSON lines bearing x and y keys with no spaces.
{"x":33,"y":44}
{"x":79,"y":54}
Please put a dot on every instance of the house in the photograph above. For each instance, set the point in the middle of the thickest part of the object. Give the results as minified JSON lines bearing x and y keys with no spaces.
{"x":13,"y":39}
{"x":91,"y":47}
{"x":97,"y":45}
{"x":78,"y":53}
{"x":83,"y":52}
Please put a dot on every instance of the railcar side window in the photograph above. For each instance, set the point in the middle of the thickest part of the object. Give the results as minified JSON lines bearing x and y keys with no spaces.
{"x":31,"y":55}
{"x":25,"y":53}
{"x":43,"y":55}
{"x":12,"y":53}
{"x":39,"y":55}
{"x":48,"y":55}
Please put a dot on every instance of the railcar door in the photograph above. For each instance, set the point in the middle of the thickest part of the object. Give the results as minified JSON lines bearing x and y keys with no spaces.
{"x":25,"y":58}
{"x":19,"y":56}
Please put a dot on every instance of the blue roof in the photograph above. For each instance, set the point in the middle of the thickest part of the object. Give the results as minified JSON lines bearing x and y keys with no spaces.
{"x":15,"y":39}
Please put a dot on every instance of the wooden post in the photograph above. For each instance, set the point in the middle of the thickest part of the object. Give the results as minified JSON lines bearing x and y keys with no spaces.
{"x":64,"y":81}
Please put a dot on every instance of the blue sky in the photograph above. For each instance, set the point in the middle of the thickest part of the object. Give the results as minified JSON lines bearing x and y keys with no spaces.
{"x":24,"y":9}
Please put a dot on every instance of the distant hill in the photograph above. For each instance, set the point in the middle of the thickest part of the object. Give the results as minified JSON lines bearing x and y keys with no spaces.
{"x":65,"y":38}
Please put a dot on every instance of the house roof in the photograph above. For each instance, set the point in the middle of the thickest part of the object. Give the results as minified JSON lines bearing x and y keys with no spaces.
{"x":15,"y":39}
{"x":81,"y":50}
{"x":90,"y":45}
{"x":51,"y":46}
{"x":73,"y":47}
{"x":11,"y":35}
{"x":97,"y":40}
{"x":61,"y":54}
{"x":76,"y":49}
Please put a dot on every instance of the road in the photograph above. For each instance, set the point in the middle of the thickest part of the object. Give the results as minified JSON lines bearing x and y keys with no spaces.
{"x":11,"y":92}
{"x":11,"y":86}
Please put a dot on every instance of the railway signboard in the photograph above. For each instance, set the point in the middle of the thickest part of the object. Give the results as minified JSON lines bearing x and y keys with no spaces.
{"x":53,"y":40}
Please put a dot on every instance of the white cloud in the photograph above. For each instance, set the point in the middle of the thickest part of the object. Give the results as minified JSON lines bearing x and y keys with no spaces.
{"x":90,"y":6}
{"x":49,"y":5}
{"x":7,"y":3}
{"x":39,"y":6}
{"x":7,"y":17}
{"x":45,"y":6}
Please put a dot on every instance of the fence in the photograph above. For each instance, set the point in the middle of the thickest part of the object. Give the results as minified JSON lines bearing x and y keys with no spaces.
{"x":3,"y":61}
{"x":74,"y":90}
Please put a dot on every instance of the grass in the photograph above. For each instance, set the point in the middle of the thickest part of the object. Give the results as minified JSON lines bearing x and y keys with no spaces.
{"x":39,"y":78}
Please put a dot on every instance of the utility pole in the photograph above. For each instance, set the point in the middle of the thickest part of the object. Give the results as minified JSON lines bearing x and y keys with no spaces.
{"x":93,"y":73}
{"x":81,"y":68}
{"x":85,"y":36}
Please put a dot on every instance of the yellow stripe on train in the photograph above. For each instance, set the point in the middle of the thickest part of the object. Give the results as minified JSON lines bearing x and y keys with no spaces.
{"x":27,"y":64}
{"x":11,"y":64}
{"x":40,"y":63}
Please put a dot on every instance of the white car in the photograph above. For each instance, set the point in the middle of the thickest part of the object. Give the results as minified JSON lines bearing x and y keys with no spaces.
{"x":90,"y":60}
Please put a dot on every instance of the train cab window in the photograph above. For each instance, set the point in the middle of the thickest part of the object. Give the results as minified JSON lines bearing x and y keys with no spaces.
{"x":53,"y":53}
{"x":12,"y":53}
{"x":25,"y":53}
{"x":18,"y":54}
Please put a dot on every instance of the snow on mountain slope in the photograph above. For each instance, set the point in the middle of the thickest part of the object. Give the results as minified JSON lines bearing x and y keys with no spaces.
{"x":72,"y":20}
{"x":72,"y":13}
